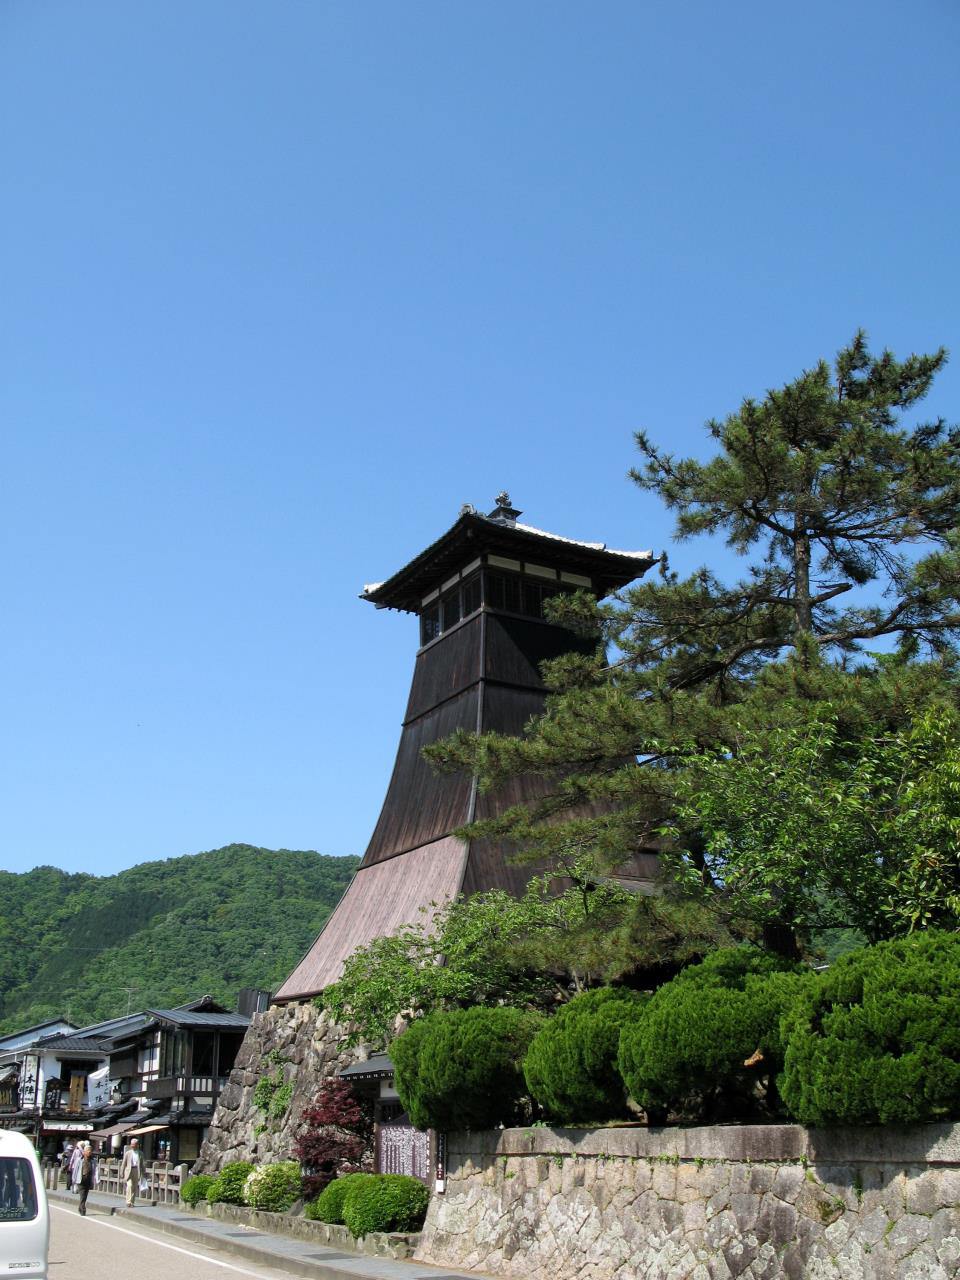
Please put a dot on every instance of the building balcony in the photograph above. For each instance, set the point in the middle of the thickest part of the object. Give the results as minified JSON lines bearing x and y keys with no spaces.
{"x":185,"y":1086}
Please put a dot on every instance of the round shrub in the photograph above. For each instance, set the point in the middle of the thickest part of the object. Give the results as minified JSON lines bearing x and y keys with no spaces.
{"x":196,"y":1188}
{"x":385,"y":1202}
{"x":228,"y":1185}
{"x":328,"y":1206}
{"x":462,"y":1070}
{"x":687,"y":1051}
{"x":274,"y":1187}
{"x":571,"y":1065}
{"x":877,"y":1039}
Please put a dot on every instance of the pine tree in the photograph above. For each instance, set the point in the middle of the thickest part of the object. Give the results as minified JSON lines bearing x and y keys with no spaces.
{"x":848,"y":522}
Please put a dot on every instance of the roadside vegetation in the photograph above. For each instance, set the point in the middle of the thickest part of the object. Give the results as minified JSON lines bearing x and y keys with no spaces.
{"x":787,"y":743}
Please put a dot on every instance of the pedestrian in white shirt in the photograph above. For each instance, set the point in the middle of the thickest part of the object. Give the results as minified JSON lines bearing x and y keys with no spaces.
{"x":132,"y":1172}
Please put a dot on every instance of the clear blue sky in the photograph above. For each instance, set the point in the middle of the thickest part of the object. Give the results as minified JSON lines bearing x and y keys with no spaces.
{"x":284,"y":283}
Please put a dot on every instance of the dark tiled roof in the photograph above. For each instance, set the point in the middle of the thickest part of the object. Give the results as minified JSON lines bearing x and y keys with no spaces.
{"x":75,"y":1044}
{"x":378,"y":1064}
{"x":474,"y":533}
{"x":187,"y":1018}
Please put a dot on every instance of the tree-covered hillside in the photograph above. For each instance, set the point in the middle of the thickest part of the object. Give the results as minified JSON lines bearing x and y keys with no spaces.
{"x":160,"y":933}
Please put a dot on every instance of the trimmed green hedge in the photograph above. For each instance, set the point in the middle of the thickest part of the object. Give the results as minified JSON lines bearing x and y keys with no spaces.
{"x":227,"y":1187}
{"x":686,"y":1052}
{"x":385,"y":1202}
{"x":877,"y":1039}
{"x":462,"y":1070}
{"x":196,"y":1188}
{"x":328,"y":1206}
{"x":571,"y":1065}
{"x":273,"y":1187}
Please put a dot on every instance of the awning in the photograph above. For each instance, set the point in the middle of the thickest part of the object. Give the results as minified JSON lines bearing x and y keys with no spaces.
{"x":146,"y":1128}
{"x":112,"y":1130}
{"x":376,"y":1067}
{"x":66,"y":1126}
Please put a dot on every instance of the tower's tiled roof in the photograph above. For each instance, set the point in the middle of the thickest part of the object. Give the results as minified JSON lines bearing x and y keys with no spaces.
{"x":501,"y":533}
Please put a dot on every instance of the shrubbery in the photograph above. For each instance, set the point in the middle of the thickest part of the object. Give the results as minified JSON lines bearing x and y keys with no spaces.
{"x":687,"y":1051}
{"x":385,"y":1202}
{"x":571,"y":1065}
{"x":196,"y":1188}
{"x":328,"y":1206}
{"x":877,"y":1038}
{"x":273,"y":1187}
{"x":227,"y":1187}
{"x":462,"y":1070}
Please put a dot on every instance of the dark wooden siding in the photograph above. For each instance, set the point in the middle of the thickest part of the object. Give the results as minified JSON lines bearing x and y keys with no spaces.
{"x":422,"y":805}
{"x":488,"y":868}
{"x":516,"y":646}
{"x":450,"y":665}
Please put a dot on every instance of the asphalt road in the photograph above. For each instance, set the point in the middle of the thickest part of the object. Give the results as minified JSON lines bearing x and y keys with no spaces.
{"x":101,"y":1247}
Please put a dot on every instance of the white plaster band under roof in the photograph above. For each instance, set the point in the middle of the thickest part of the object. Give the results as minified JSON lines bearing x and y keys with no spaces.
{"x":503,"y":562}
{"x":575,"y":579}
{"x":539,"y":570}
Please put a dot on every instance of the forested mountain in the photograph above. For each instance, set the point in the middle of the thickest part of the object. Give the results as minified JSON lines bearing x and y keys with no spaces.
{"x":161,"y":933}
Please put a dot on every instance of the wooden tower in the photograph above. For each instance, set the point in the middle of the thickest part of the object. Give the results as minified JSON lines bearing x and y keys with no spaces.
{"x":479,"y":593}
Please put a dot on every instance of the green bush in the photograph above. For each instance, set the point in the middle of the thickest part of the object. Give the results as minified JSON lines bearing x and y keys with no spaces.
{"x":196,"y":1188}
{"x":571,"y":1065}
{"x":877,"y":1039}
{"x":462,"y":1070}
{"x":687,"y":1051}
{"x":385,"y":1202}
{"x":328,"y":1206}
{"x":274,"y":1187}
{"x":228,"y":1185}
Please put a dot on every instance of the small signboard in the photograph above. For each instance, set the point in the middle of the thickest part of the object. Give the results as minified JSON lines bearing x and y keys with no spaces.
{"x":403,"y":1149}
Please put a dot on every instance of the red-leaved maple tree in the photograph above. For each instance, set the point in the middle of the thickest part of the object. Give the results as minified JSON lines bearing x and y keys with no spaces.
{"x":336,"y":1133}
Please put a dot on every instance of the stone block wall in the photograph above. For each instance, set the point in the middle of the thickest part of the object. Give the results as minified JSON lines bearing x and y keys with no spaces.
{"x":761,"y":1202}
{"x":309,"y":1045}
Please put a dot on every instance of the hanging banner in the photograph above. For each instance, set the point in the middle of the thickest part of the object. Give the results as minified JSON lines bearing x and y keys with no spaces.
{"x":98,"y":1087}
{"x":28,"y":1082}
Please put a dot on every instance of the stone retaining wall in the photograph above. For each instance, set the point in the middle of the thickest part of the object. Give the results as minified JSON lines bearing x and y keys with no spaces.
{"x":309,"y":1044}
{"x":758,"y":1202}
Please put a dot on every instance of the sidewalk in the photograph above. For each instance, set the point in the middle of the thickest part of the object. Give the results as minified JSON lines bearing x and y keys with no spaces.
{"x":295,"y":1257}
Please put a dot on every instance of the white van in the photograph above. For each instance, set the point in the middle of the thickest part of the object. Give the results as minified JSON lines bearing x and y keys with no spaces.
{"x":24,"y":1216}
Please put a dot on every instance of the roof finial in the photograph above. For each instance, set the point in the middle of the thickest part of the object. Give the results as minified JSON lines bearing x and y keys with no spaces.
{"x":504,"y":511}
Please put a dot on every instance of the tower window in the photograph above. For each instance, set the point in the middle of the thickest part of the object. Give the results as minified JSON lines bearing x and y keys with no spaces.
{"x":507,"y":592}
{"x":430,"y":623}
{"x":452,"y":613}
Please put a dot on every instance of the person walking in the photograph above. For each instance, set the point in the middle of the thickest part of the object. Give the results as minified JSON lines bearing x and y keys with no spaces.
{"x":65,"y":1157}
{"x":88,"y":1174}
{"x":73,"y":1168}
{"x":132,"y":1172}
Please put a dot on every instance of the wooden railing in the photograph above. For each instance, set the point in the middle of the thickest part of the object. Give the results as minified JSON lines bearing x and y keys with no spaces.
{"x":164,"y":1180}
{"x":168,"y":1086}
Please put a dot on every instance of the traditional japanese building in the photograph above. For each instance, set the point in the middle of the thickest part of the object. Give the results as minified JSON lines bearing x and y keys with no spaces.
{"x":479,"y":592}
